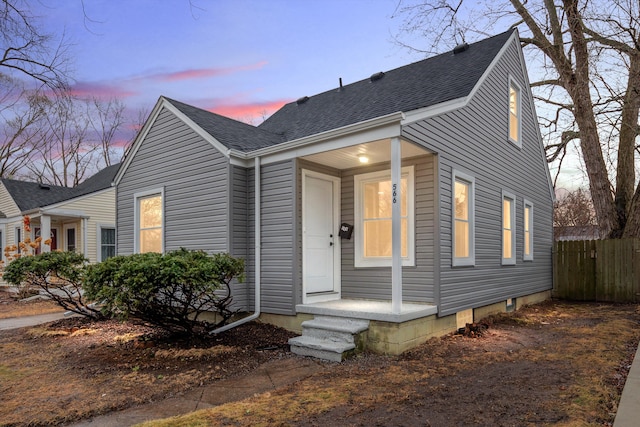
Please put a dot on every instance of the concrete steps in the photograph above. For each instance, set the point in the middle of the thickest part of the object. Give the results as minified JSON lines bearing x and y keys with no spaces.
{"x":328,"y":337}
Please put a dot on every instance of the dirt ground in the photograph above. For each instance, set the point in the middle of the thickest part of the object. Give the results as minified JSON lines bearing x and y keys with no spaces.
{"x":551,"y":364}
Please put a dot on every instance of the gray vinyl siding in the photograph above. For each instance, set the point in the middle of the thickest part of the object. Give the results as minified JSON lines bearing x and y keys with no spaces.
{"x":474,"y":140}
{"x":195,"y":179}
{"x":238,"y":215}
{"x":375,"y":283}
{"x":279,"y":258}
{"x":195,"y":186}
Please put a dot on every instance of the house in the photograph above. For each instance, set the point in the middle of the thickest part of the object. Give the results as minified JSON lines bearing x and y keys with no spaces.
{"x":576,"y":232}
{"x":398,"y":207}
{"x":79,"y":219}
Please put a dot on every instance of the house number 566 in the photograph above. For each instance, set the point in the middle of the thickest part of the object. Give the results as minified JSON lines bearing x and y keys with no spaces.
{"x":394,"y":192}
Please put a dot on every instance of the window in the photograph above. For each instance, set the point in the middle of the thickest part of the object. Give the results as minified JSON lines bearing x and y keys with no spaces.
{"x":528,"y":231}
{"x":70,"y":239}
{"x":514,"y":113}
{"x":149,"y":220}
{"x":18,"y":239}
{"x":107,"y":236}
{"x":373,"y":204}
{"x":463,"y":243}
{"x":508,"y":229}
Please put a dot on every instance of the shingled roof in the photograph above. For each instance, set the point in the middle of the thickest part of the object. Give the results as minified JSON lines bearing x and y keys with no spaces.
{"x":422,"y":84}
{"x":231,"y":133}
{"x":32,"y":195}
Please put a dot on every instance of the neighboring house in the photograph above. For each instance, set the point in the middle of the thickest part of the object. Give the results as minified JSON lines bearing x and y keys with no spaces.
{"x":577,"y":232}
{"x":455,"y":136}
{"x":80,"y":219}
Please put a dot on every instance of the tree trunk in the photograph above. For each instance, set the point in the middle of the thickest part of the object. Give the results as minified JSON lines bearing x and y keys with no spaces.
{"x":626,"y":203}
{"x":577,"y":85}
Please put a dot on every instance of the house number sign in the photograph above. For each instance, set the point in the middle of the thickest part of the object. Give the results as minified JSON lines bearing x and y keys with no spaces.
{"x":394,"y":192}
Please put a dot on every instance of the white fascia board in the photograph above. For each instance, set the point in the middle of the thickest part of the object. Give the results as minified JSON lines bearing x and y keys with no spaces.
{"x":164,"y":103}
{"x":456,"y":104}
{"x":197,"y":129}
{"x":366,"y":131}
{"x":62,"y":212}
{"x":135,"y":146}
{"x":535,"y":114}
{"x":434,"y":110}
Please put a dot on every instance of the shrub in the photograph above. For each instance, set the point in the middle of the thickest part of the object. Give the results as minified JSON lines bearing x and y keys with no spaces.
{"x":58,"y":275}
{"x":171,"y":291}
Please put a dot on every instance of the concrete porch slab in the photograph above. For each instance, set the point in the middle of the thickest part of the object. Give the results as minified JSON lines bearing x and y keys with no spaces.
{"x":369,"y":310}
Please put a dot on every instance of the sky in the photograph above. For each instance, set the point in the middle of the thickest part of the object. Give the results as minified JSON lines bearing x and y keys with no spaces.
{"x":239,"y":58}
{"x":243,"y":59}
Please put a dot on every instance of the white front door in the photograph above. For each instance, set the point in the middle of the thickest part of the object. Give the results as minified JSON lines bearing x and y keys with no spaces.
{"x":320,"y":241}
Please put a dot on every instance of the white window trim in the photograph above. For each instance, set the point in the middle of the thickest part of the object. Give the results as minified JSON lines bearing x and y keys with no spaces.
{"x":527,"y":204}
{"x":360,"y":260}
{"x":512,"y":259}
{"x":516,"y":86}
{"x":136,"y":220}
{"x":99,"y":228}
{"x":66,"y":227}
{"x":471,"y":259}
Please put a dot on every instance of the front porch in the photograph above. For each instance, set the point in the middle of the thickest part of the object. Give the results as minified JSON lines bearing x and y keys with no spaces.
{"x":369,"y":310}
{"x":345,"y":326}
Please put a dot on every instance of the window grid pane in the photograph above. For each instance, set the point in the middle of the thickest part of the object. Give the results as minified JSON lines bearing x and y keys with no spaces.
{"x":107,"y":243}
{"x":528,"y":249}
{"x":377,"y":219}
{"x":514,"y":113}
{"x":507,"y":230}
{"x":462,"y":235}
{"x":150,"y":232}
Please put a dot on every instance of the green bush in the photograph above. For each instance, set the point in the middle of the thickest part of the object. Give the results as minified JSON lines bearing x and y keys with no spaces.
{"x":171,"y":291}
{"x":58,"y":275}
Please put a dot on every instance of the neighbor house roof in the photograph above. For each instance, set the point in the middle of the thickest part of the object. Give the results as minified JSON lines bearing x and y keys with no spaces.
{"x":32,"y":195}
{"x":422,"y":84}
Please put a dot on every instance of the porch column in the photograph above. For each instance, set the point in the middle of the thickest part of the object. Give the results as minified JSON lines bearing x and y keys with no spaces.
{"x":85,"y":221}
{"x":45,"y":232}
{"x":396,"y":227}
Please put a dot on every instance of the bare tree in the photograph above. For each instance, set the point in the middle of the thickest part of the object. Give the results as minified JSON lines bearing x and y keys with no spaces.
{"x":21,"y":113}
{"x":66,"y":154}
{"x":573,"y":209}
{"x":107,"y":119}
{"x":25,"y":50}
{"x":588,"y":54}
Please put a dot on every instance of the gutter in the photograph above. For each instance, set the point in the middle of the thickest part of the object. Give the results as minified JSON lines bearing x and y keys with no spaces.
{"x":257,"y":261}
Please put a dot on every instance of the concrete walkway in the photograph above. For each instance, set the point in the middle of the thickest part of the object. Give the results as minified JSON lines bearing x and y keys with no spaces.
{"x":270,"y":376}
{"x":628,"y":414}
{"x":25,"y":321}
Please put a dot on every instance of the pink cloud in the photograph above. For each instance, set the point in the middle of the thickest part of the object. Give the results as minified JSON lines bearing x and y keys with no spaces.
{"x":99,"y":90}
{"x":204,"y":72}
{"x":247,"y":110}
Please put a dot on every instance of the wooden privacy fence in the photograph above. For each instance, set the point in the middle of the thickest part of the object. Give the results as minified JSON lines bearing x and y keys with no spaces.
{"x":597,"y":270}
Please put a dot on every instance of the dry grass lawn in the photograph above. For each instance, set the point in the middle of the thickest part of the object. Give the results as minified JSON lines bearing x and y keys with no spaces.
{"x":561,"y":364}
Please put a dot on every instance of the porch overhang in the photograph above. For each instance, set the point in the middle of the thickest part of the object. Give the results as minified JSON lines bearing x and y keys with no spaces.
{"x":369,"y":310}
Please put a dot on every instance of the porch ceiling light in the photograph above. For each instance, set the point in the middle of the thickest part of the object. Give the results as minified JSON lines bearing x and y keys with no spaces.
{"x":363,"y":158}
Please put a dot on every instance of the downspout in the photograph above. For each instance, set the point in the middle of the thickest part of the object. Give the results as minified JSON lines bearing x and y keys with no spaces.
{"x":258,"y":245}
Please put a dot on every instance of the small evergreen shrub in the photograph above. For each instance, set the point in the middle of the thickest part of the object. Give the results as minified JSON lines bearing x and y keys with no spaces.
{"x":57,"y":275}
{"x":171,"y":291}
